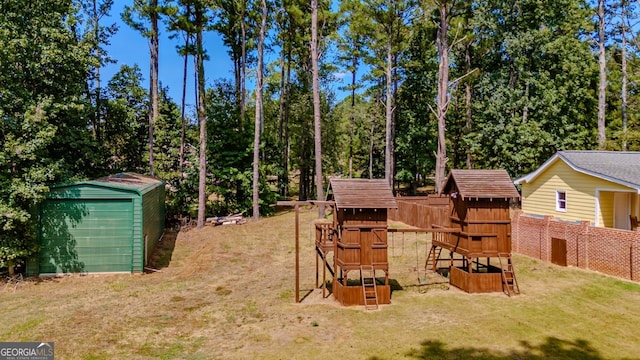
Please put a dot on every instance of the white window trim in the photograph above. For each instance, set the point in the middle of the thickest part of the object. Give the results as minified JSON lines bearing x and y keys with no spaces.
{"x":558,"y":208}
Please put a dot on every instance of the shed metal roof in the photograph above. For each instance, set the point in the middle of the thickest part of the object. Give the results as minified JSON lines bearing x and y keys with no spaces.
{"x":130,"y":180}
{"x":362,"y":194}
{"x":620,"y":167}
{"x":481,"y":184}
{"x":126,"y":181}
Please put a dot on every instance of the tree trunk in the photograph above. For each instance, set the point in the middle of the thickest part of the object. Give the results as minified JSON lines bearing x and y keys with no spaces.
{"x":202,"y":119}
{"x":238,"y":78}
{"x":183,"y":102}
{"x":625,"y":79}
{"x":283,"y":130}
{"x":256,"y":135}
{"x":153,"y":77}
{"x":602,"y":83}
{"x":96,"y":33}
{"x":287,"y":109}
{"x":281,"y":177}
{"x":468,"y":94}
{"x":388,"y":149}
{"x":316,"y":105}
{"x":443,"y":98}
{"x":243,"y":64}
{"x":304,"y":170}
{"x":352,"y":123}
{"x":371,"y":148}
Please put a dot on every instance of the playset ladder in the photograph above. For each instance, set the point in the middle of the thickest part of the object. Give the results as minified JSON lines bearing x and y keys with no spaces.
{"x":369,"y":290}
{"x":509,"y":282}
{"x":432,"y":259}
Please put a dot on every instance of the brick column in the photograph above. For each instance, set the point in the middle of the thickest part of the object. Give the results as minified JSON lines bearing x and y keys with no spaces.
{"x":634,"y":262}
{"x":545,"y":241}
{"x":582,"y":249}
{"x":515,"y":231}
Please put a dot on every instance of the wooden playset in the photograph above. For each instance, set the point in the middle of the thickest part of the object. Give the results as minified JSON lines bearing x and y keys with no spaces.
{"x":353,"y":245}
{"x":480,"y":210}
{"x":360,"y":244}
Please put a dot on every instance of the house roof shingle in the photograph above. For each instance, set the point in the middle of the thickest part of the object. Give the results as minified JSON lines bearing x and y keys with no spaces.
{"x":482,"y":184}
{"x":621,"y":167}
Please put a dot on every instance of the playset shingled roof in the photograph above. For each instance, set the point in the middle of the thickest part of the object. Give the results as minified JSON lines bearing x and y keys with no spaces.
{"x":481,"y":184}
{"x":362,"y":194}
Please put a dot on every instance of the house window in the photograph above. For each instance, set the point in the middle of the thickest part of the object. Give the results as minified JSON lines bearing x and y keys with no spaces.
{"x":561,"y":200}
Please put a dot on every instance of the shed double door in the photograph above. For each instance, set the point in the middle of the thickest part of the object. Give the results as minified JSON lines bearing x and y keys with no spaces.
{"x":79,"y":235}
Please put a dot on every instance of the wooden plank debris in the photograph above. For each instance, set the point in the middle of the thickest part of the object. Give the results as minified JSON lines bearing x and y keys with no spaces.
{"x":227,"y":220}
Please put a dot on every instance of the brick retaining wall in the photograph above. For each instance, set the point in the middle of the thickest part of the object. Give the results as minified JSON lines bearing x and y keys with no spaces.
{"x":610,"y":251}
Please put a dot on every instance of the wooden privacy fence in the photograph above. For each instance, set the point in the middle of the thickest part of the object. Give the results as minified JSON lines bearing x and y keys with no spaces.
{"x":421,"y":211}
{"x":610,"y":251}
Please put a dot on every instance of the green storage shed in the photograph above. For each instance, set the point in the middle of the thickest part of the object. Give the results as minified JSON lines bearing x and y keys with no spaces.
{"x":110,"y":224}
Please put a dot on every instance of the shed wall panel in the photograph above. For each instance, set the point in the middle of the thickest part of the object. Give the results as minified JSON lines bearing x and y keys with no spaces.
{"x":85,"y":236}
{"x":137,"y":260}
{"x":153,"y":213}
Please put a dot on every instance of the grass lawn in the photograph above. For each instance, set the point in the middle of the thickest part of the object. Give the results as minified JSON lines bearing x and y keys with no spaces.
{"x":227,"y":292}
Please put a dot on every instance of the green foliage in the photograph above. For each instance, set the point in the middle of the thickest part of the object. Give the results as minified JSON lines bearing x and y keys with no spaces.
{"x":616,"y":134}
{"x":43,"y":125}
{"x":230,"y":156}
{"x":126,"y":123}
{"x":416,"y":127}
{"x":367,"y":130}
{"x":139,"y":13}
{"x":536,"y":91}
{"x":167,"y":132}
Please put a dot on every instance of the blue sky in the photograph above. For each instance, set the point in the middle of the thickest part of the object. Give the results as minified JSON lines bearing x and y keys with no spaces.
{"x":128,"y":47}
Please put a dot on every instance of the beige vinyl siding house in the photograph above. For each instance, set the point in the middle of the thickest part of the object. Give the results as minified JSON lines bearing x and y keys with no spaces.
{"x":597,"y":186}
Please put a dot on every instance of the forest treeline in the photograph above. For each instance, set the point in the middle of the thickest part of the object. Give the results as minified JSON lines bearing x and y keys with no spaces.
{"x":433,"y":85}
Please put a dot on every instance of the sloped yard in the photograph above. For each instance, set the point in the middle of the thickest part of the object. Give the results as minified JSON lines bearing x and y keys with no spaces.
{"x":227,"y":292}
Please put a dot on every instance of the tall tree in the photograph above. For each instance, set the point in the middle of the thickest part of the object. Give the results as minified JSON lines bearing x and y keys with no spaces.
{"x":143,"y":17}
{"x":126,"y":119}
{"x":232,"y":22}
{"x":389,"y":102}
{"x":535,"y":92}
{"x":351,"y":47}
{"x":602,"y":80}
{"x":97,"y":36}
{"x":258,"y":115}
{"x":416,"y":138}
{"x":167,"y":139}
{"x":443,"y":96}
{"x":292,"y":36}
{"x":180,"y":20}
{"x":315,"y":72}
{"x":625,"y":15}
{"x":284,"y":23}
{"x":200,"y":23}
{"x":387,"y":21}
